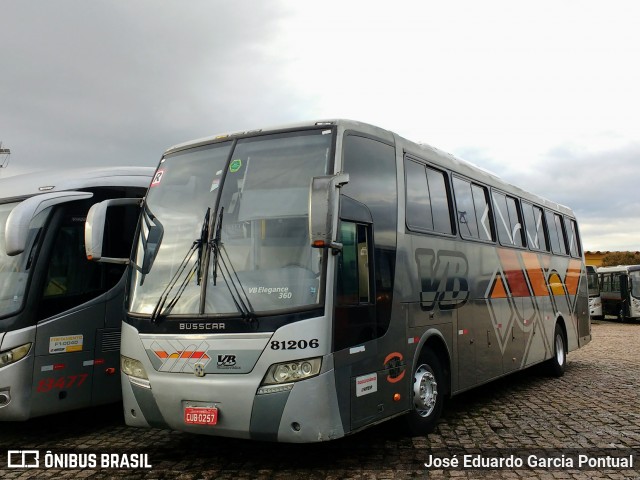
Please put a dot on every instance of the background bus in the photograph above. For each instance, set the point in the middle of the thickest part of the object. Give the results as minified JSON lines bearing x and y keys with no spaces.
{"x":60,"y":314}
{"x":301,"y":283}
{"x":620,"y":291}
{"x":595,"y":302}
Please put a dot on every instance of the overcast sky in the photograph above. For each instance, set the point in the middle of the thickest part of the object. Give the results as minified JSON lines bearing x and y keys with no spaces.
{"x":544,"y":93}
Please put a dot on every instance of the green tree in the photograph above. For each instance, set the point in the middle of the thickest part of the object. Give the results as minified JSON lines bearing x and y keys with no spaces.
{"x":621,"y":258}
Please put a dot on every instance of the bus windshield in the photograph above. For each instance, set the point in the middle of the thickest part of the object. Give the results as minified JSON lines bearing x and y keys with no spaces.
{"x":634,"y":280}
{"x":592,"y":281}
{"x":260,"y":259}
{"x":14,"y":270}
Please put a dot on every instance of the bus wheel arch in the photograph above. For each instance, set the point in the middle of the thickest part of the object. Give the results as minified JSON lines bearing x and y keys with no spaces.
{"x":556,"y":365}
{"x":431,"y":383}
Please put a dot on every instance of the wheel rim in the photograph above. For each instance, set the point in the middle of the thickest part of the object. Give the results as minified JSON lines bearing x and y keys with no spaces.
{"x":425,"y":391}
{"x":559,"y":350}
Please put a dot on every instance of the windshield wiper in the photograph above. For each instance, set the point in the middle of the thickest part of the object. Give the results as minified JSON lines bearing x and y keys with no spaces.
{"x":199,"y":245}
{"x":229,"y":274}
{"x":215,"y":244}
{"x":203,"y":243}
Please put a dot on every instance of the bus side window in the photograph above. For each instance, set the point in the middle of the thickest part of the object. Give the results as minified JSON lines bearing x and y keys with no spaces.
{"x":371,"y":165}
{"x":534,"y":224}
{"x":556,"y":233}
{"x":71,"y":278}
{"x":615,"y":282}
{"x":428,"y":207}
{"x":509,"y":220}
{"x":355,"y":312}
{"x":472,"y":203}
{"x":574,"y":243}
{"x":353,"y":265}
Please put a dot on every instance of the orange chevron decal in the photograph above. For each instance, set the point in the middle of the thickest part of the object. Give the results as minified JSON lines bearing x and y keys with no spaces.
{"x":535,"y":274}
{"x":513,"y":270}
{"x":573,"y":276}
{"x":184,"y":354}
{"x":498,"y":290}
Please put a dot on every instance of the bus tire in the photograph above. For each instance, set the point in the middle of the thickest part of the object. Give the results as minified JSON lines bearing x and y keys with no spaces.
{"x":558,"y":362}
{"x":427,"y":395}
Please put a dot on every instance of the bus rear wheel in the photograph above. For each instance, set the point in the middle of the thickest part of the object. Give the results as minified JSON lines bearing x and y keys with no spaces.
{"x":558,"y":361}
{"x":427,"y":392}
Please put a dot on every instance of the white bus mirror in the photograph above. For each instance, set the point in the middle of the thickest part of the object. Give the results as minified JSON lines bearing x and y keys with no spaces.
{"x":94,"y":229}
{"x":323,"y":199}
{"x":17,"y":225}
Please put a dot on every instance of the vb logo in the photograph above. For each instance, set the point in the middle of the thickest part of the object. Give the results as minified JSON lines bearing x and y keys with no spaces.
{"x":226,"y":360}
{"x":443,"y":279}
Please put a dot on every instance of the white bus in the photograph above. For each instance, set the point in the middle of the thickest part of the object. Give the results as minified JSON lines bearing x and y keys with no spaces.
{"x":595,"y":301}
{"x":620,"y":291}
{"x":60,"y":314}
{"x":299,"y":284}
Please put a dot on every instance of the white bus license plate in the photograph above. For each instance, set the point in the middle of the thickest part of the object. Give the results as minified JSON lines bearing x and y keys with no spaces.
{"x":200,"y":416}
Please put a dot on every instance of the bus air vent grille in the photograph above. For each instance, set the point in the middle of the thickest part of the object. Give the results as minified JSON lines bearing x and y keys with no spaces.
{"x":111,"y":341}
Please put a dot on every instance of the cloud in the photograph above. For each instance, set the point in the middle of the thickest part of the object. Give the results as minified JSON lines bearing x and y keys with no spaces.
{"x":599,"y":185}
{"x":543,"y":94}
{"x":112,"y":83}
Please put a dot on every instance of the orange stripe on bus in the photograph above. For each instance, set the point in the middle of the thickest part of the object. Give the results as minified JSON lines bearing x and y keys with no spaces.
{"x":536,"y":274}
{"x":573,"y":276}
{"x":515,"y":276}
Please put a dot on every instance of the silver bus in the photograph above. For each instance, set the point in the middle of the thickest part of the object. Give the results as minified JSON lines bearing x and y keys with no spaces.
{"x":595,"y":300}
{"x":301,"y":283}
{"x":60,"y":314}
{"x":620,"y":291}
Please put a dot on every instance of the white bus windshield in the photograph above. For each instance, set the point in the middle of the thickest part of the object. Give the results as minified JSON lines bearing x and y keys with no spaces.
{"x":261,"y":259}
{"x":14,"y":270}
{"x":592,"y":281}
{"x":634,"y":280}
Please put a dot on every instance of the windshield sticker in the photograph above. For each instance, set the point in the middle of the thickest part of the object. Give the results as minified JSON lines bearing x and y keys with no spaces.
{"x":235,"y":165}
{"x":157,"y":178}
{"x":215,"y":184}
{"x":64,"y":344}
{"x":281,"y":292}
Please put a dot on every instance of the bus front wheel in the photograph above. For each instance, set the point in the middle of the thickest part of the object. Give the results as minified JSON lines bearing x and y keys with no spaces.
{"x":428,"y":395}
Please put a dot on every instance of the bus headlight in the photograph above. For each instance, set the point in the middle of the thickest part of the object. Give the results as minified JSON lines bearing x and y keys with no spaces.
{"x":295,"y":371}
{"x":11,"y":356}
{"x":132,"y":367}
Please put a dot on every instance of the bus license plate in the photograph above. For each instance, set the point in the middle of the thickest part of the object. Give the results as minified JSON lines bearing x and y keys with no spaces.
{"x":200,"y":416}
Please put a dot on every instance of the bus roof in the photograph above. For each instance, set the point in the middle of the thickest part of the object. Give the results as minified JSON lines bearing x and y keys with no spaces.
{"x":35,"y":183}
{"x":619,"y":268}
{"x":421,"y":150}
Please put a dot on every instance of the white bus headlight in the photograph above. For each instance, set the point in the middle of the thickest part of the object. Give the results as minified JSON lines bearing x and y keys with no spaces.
{"x":292,"y":371}
{"x":11,"y":356}
{"x":132,"y":367}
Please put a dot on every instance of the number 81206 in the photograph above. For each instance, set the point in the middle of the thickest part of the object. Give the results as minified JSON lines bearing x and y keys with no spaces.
{"x":294,"y":344}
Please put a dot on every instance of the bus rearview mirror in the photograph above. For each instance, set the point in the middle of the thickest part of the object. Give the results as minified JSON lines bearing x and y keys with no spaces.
{"x":323,"y":199}
{"x":94,"y":229}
